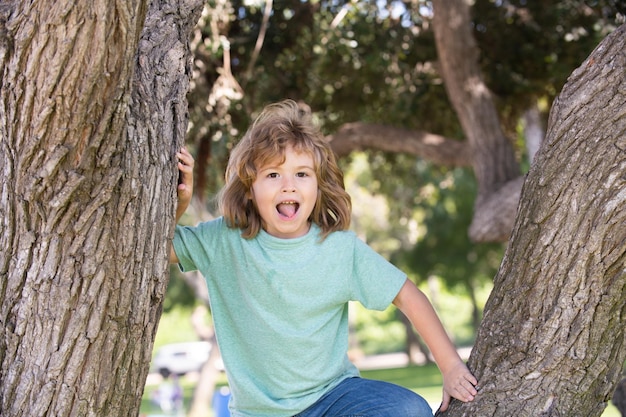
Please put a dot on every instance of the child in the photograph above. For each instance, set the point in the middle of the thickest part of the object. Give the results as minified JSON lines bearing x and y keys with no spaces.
{"x":281,"y":267}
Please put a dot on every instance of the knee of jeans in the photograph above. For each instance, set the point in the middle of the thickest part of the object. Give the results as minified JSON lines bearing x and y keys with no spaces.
{"x":419,"y":407}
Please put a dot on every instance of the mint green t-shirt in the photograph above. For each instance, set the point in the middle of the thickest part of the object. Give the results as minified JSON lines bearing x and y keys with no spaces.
{"x":280,"y":309}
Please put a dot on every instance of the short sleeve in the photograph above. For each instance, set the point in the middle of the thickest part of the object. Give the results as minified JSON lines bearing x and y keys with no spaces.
{"x":195,"y":246}
{"x":183,"y":236}
{"x":377,"y":281}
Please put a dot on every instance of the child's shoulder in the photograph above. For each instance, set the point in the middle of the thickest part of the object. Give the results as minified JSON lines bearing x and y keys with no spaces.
{"x":348,"y":240}
{"x":342,"y":237}
{"x":216,"y":225}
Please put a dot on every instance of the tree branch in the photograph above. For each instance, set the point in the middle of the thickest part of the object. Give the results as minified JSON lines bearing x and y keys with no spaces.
{"x":435,"y":148}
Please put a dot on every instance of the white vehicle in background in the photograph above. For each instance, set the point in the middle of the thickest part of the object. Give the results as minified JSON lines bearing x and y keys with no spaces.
{"x":181,"y":358}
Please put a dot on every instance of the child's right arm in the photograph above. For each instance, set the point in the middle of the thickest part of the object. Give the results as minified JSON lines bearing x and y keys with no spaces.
{"x":458,"y":381}
{"x":185,"y":189}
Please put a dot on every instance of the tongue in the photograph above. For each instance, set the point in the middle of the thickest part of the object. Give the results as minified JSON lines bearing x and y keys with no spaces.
{"x":287,"y":210}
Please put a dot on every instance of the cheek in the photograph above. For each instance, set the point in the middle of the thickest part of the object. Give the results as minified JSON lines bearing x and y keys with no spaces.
{"x":258,"y":195}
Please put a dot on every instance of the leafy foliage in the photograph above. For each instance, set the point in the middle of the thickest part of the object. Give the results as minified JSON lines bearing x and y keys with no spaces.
{"x":445,"y":204}
{"x":376,"y":61}
{"x":528,"y":50}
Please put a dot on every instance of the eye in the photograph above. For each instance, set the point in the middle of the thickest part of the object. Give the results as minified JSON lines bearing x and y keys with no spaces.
{"x":272,"y":175}
{"x":302,"y":174}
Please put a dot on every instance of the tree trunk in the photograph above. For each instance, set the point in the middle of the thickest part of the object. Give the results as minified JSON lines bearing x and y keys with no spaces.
{"x":492,"y":155}
{"x":552,"y":341}
{"x":87,"y":198}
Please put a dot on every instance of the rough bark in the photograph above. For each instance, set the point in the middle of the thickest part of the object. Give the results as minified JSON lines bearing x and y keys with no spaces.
{"x":87,"y":197}
{"x":553,"y":341}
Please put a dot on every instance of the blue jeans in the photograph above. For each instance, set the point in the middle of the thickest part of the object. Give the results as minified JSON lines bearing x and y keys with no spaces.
{"x":359,"y":397}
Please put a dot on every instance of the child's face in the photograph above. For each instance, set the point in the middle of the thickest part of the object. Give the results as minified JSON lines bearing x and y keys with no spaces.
{"x":285,"y":194}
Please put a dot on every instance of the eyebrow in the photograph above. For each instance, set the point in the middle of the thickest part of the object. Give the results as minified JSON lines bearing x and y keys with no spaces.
{"x":275,"y":166}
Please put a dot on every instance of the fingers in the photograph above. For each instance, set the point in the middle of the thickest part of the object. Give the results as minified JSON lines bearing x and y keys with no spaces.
{"x":185,"y":166}
{"x":460,"y":384}
{"x":185,"y":160}
{"x":464,"y":390}
{"x":185,"y":182}
{"x":470,"y":378}
{"x":445,"y":402}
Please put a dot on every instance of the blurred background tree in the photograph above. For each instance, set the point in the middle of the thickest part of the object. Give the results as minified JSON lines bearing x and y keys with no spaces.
{"x":376,"y":62}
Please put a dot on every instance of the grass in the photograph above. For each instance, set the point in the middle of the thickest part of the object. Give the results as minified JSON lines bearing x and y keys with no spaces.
{"x":425,"y":380}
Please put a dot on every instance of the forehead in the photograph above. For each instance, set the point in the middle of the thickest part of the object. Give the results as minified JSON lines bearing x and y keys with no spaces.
{"x":288,"y":155}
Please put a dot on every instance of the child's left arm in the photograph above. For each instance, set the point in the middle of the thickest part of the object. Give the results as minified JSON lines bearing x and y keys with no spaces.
{"x":458,"y":381}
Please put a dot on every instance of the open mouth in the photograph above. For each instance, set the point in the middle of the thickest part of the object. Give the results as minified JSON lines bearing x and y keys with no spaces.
{"x":288,"y":209}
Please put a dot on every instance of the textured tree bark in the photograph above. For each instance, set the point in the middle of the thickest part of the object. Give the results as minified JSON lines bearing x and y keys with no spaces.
{"x":553,"y":341}
{"x":89,"y":127}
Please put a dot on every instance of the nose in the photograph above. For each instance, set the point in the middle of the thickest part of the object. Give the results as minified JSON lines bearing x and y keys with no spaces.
{"x":288,"y":185}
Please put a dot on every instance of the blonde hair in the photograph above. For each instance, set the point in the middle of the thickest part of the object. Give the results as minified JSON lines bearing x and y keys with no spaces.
{"x":278,"y":126}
